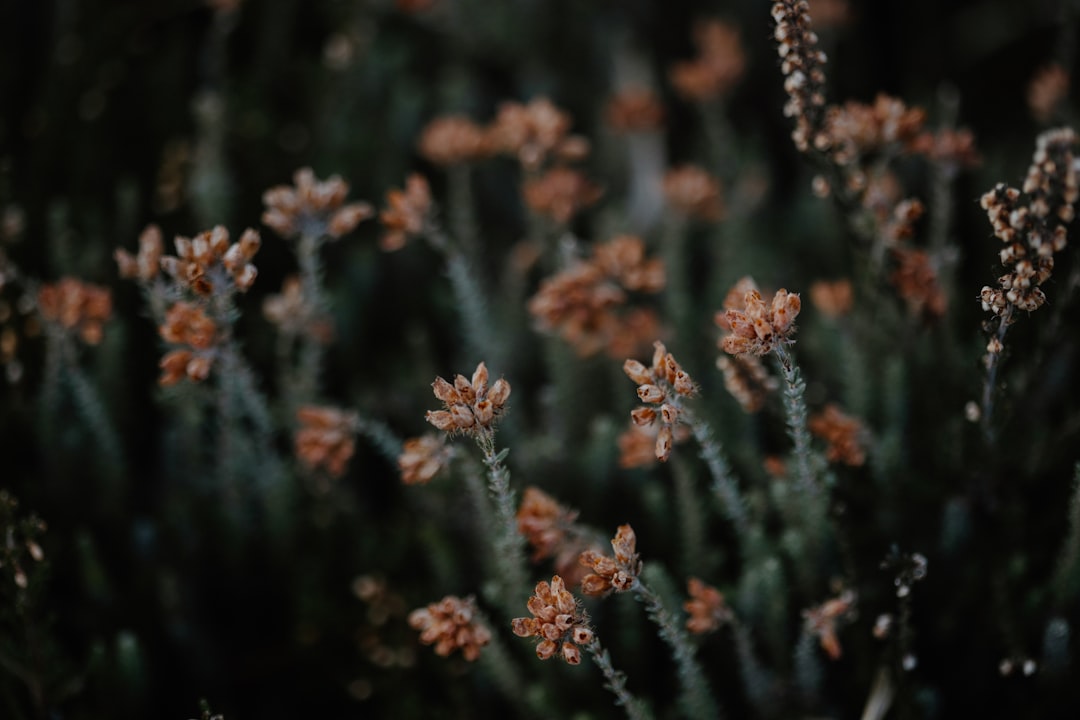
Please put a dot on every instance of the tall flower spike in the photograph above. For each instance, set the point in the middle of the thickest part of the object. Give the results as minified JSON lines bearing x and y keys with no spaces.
{"x":557,"y":620}
{"x":471,"y":405}
{"x":662,"y":388}
{"x":618,"y":573}
{"x":802,"y":64}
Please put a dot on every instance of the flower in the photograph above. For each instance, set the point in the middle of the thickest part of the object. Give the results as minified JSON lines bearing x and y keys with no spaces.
{"x":324,"y":440}
{"x":560,"y":194}
{"x":451,"y":624}
{"x":407,"y":213}
{"x":719,"y":65}
{"x":453,"y":140}
{"x":661,"y":387}
{"x":832,"y":299}
{"x":705,"y":607}
{"x":77,"y":307}
{"x":844,"y":435}
{"x":822,"y":621}
{"x":747,"y":379}
{"x":422,"y":458}
{"x":543,"y":522}
{"x":619,"y":573}
{"x":634,"y":109}
{"x":754,"y":326}
{"x":147,"y":264}
{"x":187,"y":325}
{"x":313,"y":207}
{"x":471,"y":405}
{"x":532,"y":132}
{"x":557,"y":620}
{"x":208,"y":263}
{"x":694,"y":193}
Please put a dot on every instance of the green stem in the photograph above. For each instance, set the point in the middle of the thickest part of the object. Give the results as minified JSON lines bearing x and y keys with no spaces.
{"x":616,"y":683}
{"x":724,"y":485}
{"x":990,"y":386}
{"x":508,"y":543}
{"x":796,"y":411}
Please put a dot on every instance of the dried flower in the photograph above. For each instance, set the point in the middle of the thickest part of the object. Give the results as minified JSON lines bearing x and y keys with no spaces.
{"x":623,"y":259}
{"x":560,"y":194}
{"x":747,"y":379}
{"x":187,"y":325}
{"x":719,"y":65}
{"x":1046,"y":91}
{"x":916,"y":282}
{"x":534,"y":131}
{"x":692,"y":192}
{"x":313,"y":207}
{"x":471,"y":405}
{"x":1032,"y":233}
{"x":451,"y":624}
{"x":619,"y":573}
{"x":208,"y":263}
{"x":543,"y":522}
{"x":453,"y":140}
{"x":832,"y":299}
{"x":753,"y":326}
{"x":76,"y":307}
{"x":802,"y":65}
{"x":844,"y":435}
{"x":634,"y":110}
{"x":325,"y":438}
{"x":662,"y":388}
{"x":822,"y":621}
{"x":557,"y":620}
{"x":407,"y":213}
{"x":705,"y":607}
{"x":422,"y":458}
{"x":952,"y":149}
{"x":147,"y":264}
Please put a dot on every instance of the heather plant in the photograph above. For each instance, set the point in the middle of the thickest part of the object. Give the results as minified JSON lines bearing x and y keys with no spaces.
{"x":855,"y":492}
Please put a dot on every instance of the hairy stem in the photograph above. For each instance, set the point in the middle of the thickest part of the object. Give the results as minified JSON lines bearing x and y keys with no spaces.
{"x":616,"y":683}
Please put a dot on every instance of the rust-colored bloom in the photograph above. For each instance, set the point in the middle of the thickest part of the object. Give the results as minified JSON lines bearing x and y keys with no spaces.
{"x":694,"y":193}
{"x":747,"y":379}
{"x":77,"y":307}
{"x":953,"y":149}
{"x":534,"y":131}
{"x":453,"y":140}
{"x":543,"y":522}
{"x":451,"y":624}
{"x":822,"y":621}
{"x":719,"y":65}
{"x":560,"y":194}
{"x":618,"y":573}
{"x":313,"y":207}
{"x":422,"y":458}
{"x":208,"y":263}
{"x":623,"y":259}
{"x":471,"y":405}
{"x":843,"y":433}
{"x":916,"y":282}
{"x":1046,"y":91}
{"x":557,"y":620}
{"x":406,"y":214}
{"x":662,"y":388}
{"x":146,"y":265}
{"x":194,"y":337}
{"x":832,"y":299}
{"x":705,"y":607}
{"x":325,"y":438}
{"x":754,"y":326}
{"x":634,"y":109}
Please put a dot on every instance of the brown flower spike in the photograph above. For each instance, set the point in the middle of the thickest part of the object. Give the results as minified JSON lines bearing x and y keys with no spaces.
{"x":422,"y":458}
{"x":705,"y":607}
{"x":661,"y":387}
{"x":451,"y":624}
{"x":325,"y":438}
{"x":754,"y":326}
{"x":471,"y":405}
{"x":557,"y":620}
{"x":618,"y":573}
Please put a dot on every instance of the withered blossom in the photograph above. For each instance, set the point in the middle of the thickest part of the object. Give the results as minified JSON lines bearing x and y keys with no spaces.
{"x":560,"y":194}
{"x":406,"y":214}
{"x":313,"y":207}
{"x":754,"y":326}
{"x":76,"y":307}
{"x":325,"y":438}
{"x":694,"y":193}
{"x":706,"y":608}
{"x":194,"y":337}
{"x":451,"y":624}
{"x":453,"y":140}
{"x":617,"y":573}
{"x":422,"y":458}
{"x":662,"y":387}
{"x":470,"y":405}
{"x":557,"y":620}
{"x":843,"y":434}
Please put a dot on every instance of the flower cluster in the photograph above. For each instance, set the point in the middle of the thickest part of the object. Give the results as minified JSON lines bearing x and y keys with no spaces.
{"x":146,"y":265}
{"x":833,"y":299}
{"x":324,"y":439}
{"x":557,"y":620}
{"x":706,"y":608}
{"x":293,"y":313}
{"x":635,"y":109}
{"x":209,"y":263}
{"x":844,"y":435}
{"x":535,"y":131}
{"x":194,"y":336}
{"x":1032,"y":233}
{"x":719,"y":65}
{"x":822,"y":621}
{"x":407,"y":213}
{"x":664,"y":384}
{"x":747,"y":379}
{"x":754,"y":326}
{"x":618,"y":573}
{"x":451,"y":624}
{"x":471,"y":405}
{"x":693,"y":193}
{"x":1046,"y":91}
{"x":560,"y":194}
{"x":76,"y":307}
{"x":543,"y":522}
{"x":454,"y":140}
{"x":582,"y":302}
{"x":916,"y":281}
{"x":856,"y":129}
{"x":313,"y":207}
{"x":422,"y":458}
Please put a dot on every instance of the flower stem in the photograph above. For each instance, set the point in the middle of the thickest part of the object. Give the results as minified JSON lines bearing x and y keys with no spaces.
{"x":508,"y":543}
{"x":616,"y":683}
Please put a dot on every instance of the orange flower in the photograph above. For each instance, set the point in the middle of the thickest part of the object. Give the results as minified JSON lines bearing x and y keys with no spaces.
{"x":453,"y":140}
{"x":560,"y":194}
{"x":324,"y":440}
{"x":694,"y":193}
{"x":619,"y":573}
{"x":661,"y":387}
{"x":207,"y":262}
{"x":634,"y":110}
{"x":471,"y":406}
{"x":188,"y":327}
{"x":451,"y":624}
{"x":705,"y":607}
{"x":822,"y":621}
{"x":843,"y":434}
{"x":147,"y":264}
{"x":753,"y":326}
{"x":313,"y":207}
{"x":77,"y":307}
{"x":556,"y":620}
{"x":422,"y":458}
{"x":407,"y":213}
